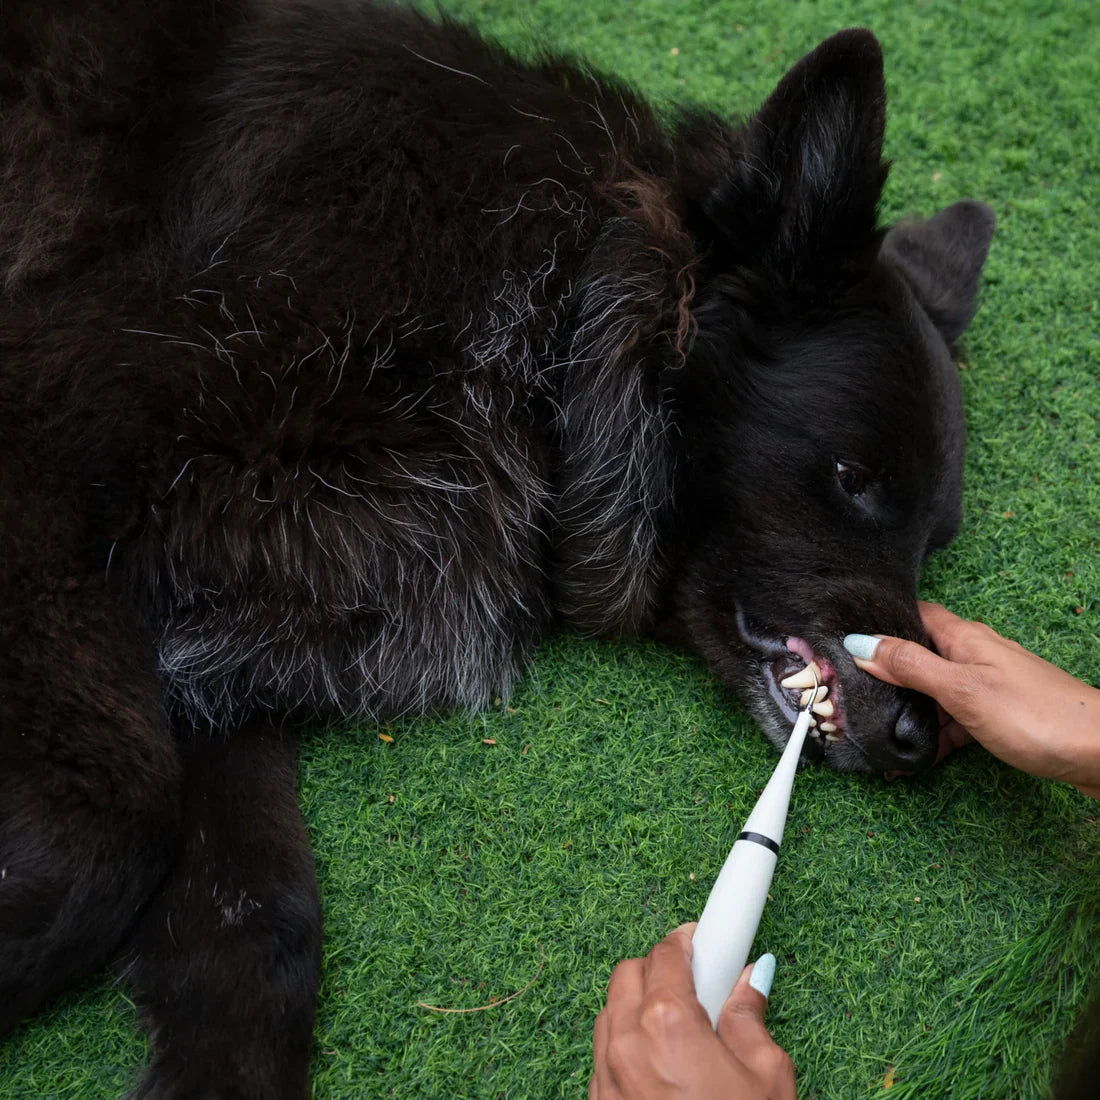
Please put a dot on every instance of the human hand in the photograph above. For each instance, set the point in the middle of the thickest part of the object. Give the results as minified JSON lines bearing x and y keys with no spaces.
{"x":1024,"y":710}
{"x":654,"y":1041}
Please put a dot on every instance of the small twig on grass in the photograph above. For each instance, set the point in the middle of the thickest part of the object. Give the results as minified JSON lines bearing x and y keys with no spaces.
{"x":493,"y":1004}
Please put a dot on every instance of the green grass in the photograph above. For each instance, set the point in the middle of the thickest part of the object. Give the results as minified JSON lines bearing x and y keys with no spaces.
{"x":945,"y":927}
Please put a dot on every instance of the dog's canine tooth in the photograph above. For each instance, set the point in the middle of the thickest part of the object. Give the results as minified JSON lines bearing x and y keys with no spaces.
{"x":806,"y":678}
{"x":825,"y":708}
{"x":816,"y":696}
{"x":828,"y":727}
{"x":832,"y":738}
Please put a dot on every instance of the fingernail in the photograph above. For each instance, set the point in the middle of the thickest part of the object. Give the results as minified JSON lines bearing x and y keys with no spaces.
{"x":763,"y":974}
{"x":862,"y":646}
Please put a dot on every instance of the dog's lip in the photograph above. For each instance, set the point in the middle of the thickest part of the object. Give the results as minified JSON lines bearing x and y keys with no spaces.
{"x":779,"y":659}
{"x":804,"y":653}
{"x":783,"y":657}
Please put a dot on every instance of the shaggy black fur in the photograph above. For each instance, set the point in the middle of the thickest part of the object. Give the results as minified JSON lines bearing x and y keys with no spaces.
{"x":342,"y":356}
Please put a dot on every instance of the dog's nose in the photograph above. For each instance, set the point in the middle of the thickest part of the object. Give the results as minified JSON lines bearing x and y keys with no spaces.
{"x":915,"y":737}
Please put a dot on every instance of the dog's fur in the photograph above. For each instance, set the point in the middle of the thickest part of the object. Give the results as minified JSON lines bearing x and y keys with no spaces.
{"x":342,"y":356}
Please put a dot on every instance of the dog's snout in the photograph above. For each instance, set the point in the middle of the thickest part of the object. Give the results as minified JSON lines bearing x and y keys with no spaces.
{"x":914,"y":738}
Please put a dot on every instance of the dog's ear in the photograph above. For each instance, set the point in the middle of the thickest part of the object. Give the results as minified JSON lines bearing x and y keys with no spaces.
{"x":942,"y":259}
{"x":802,"y":180}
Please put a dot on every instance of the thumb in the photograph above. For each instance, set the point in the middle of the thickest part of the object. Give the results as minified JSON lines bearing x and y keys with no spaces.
{"x":742,"y":1032}
{"x":902,"y":663}
{"x":741,"y":1022}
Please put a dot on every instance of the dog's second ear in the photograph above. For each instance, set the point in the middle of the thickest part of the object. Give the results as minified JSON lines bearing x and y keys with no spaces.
{"x":800,"y":188}
{"x":942,"y":260}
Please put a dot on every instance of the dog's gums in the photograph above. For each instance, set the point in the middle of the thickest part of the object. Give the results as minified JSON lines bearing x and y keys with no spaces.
{"x":827,"y":696}
{"x":790,"y":670}
{"x":797,"y":686}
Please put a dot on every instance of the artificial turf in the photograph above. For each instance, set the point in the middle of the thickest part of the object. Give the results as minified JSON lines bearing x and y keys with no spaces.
{"x":935,"y":937}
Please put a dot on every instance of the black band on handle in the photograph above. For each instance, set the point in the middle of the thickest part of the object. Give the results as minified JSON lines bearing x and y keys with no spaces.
{"x":762,"y":840}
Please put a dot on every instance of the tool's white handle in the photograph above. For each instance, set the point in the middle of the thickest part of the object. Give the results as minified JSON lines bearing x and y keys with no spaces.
{"x":722,"y":941}
{"x":723,"y":938}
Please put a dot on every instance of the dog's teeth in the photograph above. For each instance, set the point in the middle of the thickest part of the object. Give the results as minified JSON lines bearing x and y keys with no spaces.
{"x":809,"y":694}
{"x":832,"y":738}
{"x":824,"y":708}
{"x":806,"y":678}
{"x":802,"y":679}
{"x":828,"y":727}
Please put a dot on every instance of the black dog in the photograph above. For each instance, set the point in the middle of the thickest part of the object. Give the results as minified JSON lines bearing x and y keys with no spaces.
{"x":342,"y":356}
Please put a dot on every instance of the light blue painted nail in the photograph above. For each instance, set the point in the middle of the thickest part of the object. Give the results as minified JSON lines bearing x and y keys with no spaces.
{"x":861,"y":645}
{"x":763,"y":974}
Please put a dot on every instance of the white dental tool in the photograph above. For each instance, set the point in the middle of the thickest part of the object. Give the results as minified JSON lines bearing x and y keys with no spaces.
{"x":724,"y":935}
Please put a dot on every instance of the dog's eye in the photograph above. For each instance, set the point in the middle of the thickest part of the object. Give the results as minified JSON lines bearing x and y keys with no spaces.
{"x":852,"y":478}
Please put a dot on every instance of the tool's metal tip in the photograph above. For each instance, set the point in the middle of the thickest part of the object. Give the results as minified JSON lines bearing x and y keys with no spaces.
{"x":817,"y":683}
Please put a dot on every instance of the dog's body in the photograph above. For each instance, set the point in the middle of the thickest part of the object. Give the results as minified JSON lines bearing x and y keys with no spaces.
{"x":342,"y":356}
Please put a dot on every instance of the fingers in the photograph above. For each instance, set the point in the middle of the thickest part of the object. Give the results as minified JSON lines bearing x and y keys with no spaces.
{"x":658,"y":987}
{"x":625,"y":995}
{"x":654,"y":1039}
{"x":953,"y":735}
{"x":909,"y":664}
{"x":667,"y":969}
{"x":743,"y":1012}
{"x":625,"y":991}
{"x":955,"y":638}
{"x":668,"y":965}
{"x":626,"y":983}
{"x":958,"y":677}
{"x":939,"y":622}
{"x":597,"y":1083}
{"x":741,"y":1028}
{"x":671,"y":1014}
